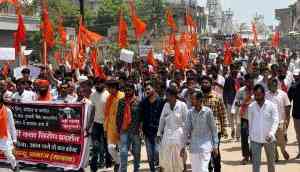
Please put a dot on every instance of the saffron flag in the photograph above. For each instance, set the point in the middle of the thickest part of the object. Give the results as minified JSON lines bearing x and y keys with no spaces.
{"x":86,"y":37}
{"x":13,"y":2}
{"x":189,"y":21}
{"x":20,"y":35}
{"x":57,"y":57}
{"x":138,"y":24}
{"x":122,"y":32}
{"x":227,"y":54}
{"x":254,"y":31}
{"x":62,"y":32}
{"x":170,"y":20}
{"x":180,"y":59}
{"x":97,"y":68}
{"x":150,"y":58}
{"x":47,"y":30}
{"x":238,"y":42}
{"x":276,"y":40}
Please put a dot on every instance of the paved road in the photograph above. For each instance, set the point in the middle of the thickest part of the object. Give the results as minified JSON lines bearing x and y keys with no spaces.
{"x":231,"y":156}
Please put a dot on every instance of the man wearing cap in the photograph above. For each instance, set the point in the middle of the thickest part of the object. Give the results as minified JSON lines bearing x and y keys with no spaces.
{"x":294,"y":95}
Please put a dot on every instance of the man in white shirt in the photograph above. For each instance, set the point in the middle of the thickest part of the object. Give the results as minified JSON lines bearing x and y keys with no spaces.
{"x":263,"y":123}
{"x":98,"y":99}
{"x":23,"y":95}
{"x":281,"y":100}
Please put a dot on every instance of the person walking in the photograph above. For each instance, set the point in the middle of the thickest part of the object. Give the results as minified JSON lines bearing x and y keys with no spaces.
{"x":128,"y":125}
{"x":216,"y":104}
{"x":8,"y":134}
{"x":170,"y":132}
{"x":294,"y":95}
{"x":150,"y":110}
{"x":263,"y":123}
{"x":201,"y":129}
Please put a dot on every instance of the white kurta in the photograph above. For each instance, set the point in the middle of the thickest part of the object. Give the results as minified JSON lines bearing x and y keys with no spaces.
{"x":171,"y":129}
{"x":7,"y":144}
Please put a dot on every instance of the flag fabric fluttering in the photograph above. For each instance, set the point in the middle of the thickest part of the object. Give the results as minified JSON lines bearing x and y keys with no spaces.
{"x":123,"y":28}
{"x":13,"y":2}
{"x":62,"y":32}
{"x":227,"y":54}
{"x":47,"y":29}
{"x":181,"y":59}
{"x":139,"y":26}
{"x":170,"y":20}
{"x":96,"y":67}
{"x":276,"y":40}
{"x":238,"y":42}
{"x":86,"y":37}
{"x":20,"y":35}
{"x":5,"y":70}
{"x":254,"y":31}
{"x":190,"y":22}
{"x":150,"y":58}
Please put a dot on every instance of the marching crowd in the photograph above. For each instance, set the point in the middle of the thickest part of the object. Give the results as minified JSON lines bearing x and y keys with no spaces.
{"x":174,"y":112}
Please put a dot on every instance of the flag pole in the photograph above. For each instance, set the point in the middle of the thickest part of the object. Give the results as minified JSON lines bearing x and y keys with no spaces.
{"x":45,"y":52}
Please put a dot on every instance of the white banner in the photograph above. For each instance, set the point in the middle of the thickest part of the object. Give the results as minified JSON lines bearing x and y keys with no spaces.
{"x":7,"y":53}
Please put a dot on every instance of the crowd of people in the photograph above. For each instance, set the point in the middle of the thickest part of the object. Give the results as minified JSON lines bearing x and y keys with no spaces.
{"x":175,"y":113}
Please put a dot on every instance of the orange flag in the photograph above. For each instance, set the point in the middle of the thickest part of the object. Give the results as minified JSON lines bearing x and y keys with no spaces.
{"x":5,"y":70}
{"x":150,"y":58}
{"x":170,"y":20}
{"x":14,"y":2}
{"x":238,"y":42}
{"x":227,"y":54}
{"x":122,"y":31}
{"x":62,"y":32}
{"x":20,"y":35}
{"x":255,"y":39}
{"x":97,"y":68}
{"x":276,"y":40}
{"x":190,"y":22}
{"x":47,"y":30}
{"x":138,"y":24}
{"x":86,"y":37}
{"x":180,"y":60}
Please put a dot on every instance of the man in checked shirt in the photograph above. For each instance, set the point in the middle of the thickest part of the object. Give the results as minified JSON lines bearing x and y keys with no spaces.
{"x":216,"y":104}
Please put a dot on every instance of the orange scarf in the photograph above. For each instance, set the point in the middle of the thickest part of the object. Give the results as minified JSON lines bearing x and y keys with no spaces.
{"x":3,"y":122}
{"x":47,"y":97}
{"x":108,"y":104}
{"x":127,"y":113}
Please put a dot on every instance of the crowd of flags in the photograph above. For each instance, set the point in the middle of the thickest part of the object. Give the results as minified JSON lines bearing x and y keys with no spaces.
{"x":181,"y":44}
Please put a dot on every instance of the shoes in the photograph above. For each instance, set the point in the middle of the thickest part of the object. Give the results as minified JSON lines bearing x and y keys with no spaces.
{"x":245,"y":161}
{"x":116,"y":168}
{"x":16,"y":169}
{"x":286,"y":155}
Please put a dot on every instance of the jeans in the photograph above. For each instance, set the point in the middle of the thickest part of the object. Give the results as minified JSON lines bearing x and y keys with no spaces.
{"x":215,"y":160}
{"x":128,"y":141}
{"x":256,"y":155}
{"x":99,"y":150}
{"x":297,"y":130}
{"x":152,"y":152}
{"x":244,"y":138}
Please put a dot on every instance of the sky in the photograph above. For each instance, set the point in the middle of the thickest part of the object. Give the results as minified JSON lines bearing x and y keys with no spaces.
{"x":244,"y":10}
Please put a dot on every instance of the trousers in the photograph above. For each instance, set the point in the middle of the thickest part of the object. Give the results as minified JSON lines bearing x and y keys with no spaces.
{"x":200,"y":161}
{"x":256,"y":155}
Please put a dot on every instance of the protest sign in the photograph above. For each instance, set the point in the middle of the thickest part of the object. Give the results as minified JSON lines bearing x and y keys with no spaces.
{"x":51,"y":134}
{"x":144,"y":50}
{"x":7,"y":54}
{"x":126,"y":56}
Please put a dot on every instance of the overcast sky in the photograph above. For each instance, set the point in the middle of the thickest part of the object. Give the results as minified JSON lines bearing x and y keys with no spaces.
{"x":244,"y":10}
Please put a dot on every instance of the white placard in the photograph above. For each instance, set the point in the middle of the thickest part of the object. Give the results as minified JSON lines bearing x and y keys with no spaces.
{"x":126,"y":55}
{"x":159,"y":57}
{"x":212,"y":56}
{"x":7,"y":53}
{"x":144,"y":50}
